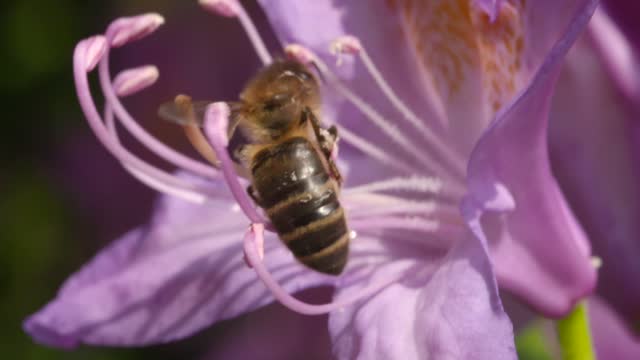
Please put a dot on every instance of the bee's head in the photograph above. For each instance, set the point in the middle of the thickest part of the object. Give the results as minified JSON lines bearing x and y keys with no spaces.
{"x":284,"y":85}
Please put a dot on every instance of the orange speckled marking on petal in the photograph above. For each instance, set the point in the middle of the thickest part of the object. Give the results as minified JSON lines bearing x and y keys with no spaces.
{"x":454,"y":41}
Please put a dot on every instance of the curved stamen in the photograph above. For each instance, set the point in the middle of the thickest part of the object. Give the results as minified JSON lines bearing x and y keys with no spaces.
{"x":83,"y":58}
{"x":373,"y":151}
{"x":155,"y":178}
{"x":129,"y":82}
{"x":216,"y":121}
{"x":255,"y":236}
{"x":233,"y":8}
{"x":142,"y":135}
{"x":297,"y":51}
{"x":351,"y":45}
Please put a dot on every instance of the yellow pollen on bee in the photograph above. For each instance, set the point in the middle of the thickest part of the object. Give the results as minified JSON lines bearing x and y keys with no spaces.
{"x":454,"y":41}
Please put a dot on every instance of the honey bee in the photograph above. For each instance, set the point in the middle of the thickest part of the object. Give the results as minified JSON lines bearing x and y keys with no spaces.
{"x":287,"y":157}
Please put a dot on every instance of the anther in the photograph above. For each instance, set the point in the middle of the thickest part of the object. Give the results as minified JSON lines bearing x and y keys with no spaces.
{"x":347,"y":44}
{"x":227,"y":8}
{"x":92,"y":50}
{"x":299,"y":53}
{"x":153,"y":144}
{"x":131,"y":81}
{"x":84,"y":55}
{"x":128,"y":29}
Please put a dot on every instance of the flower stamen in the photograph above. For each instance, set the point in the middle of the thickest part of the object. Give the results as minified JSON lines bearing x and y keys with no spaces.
{"x":86,"y":54}
{"x":131,"y":81}
{"x":400,"y":139}
{"x":352,"y":45}
{"x":373,"y":151}
{"x":127,"y":29}
{"x":233,"y":8}
{"x":153,"y":144}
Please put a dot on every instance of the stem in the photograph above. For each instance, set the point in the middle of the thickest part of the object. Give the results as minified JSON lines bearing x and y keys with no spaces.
{"x":574,"y":334}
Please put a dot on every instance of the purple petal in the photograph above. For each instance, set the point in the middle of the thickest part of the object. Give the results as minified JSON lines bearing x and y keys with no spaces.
{"x":594,"y":153}
{"x":443,"y":309}
{"x":612,"y":340}
{"x":539,"y":250}
{"x":252,"y":336}
{"x":181,"y":273}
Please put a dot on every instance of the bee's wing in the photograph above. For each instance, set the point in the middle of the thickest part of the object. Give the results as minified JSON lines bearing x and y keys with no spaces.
{"x":183,"y":111}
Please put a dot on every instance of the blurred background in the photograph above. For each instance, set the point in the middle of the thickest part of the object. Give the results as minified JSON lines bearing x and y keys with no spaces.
{"x":63,"y":197}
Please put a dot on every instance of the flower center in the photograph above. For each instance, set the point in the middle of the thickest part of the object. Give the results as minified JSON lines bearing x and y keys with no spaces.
{"x":422,"y":195}
{"x":455,"y":40}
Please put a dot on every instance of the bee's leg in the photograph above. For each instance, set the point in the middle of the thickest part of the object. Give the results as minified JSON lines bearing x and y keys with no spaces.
{"x":327,"y":139}
{"x":334,"y":170}
{"x":332,"y":142}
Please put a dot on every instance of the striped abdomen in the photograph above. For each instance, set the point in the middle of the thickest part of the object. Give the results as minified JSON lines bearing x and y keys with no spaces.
{"x":300,"y":199}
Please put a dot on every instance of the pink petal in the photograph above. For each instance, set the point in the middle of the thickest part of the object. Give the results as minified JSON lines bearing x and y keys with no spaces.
{"x":181,"y":273}
{"x":443,"y":309}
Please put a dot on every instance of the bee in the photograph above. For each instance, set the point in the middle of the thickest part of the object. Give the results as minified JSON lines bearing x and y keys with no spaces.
{"x":286,"y":154}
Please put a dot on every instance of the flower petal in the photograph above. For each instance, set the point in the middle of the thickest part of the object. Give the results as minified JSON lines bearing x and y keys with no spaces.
{"x":539,"y":250}
{"x":594,"y":153}
{"x":182,"y":272}
{"x":442,"y":309}
{"x":252,"y":336}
